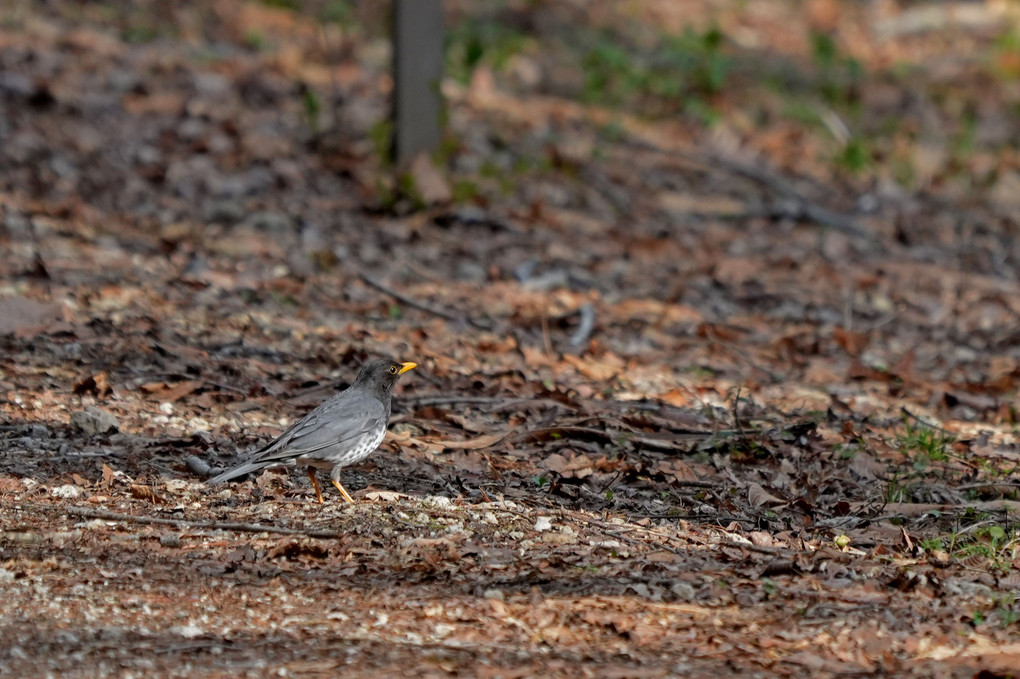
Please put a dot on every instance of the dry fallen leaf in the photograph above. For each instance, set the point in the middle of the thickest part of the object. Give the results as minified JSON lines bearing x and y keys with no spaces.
{"x":471,"y":444}
{"x":142,"y":492}
{"x":602,"y":368}
{"x":758,"y":496}
{"x":96,"y":385}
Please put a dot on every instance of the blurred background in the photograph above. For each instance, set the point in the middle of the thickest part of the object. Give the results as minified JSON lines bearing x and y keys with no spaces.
{"x":750,"y":164}
{"x":652,"y":198}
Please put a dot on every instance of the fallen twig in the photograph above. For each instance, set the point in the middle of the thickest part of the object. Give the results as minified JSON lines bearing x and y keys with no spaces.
{"x":797,"y":205}
{"x":510,"y":404}
{"x":892,"y":509}
{"x":988,"y":484}
{"x":584,"y":329}
{"x":615,"y":528}
{"x":925,"y":423}
{"x":420,"y":306}
{"x":89,"y":513}
{"x":792,"y":204}
{"x":668,"y":444}
{"x":426,"y":400}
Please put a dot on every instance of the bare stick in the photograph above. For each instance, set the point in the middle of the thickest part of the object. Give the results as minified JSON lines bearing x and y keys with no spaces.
{"x":912,"y":509}
{"x":415,"y":304}
{"x":924,"y":423}
{"x":797,"y":206}
{"x":89,"y":513}
{"x":452,"y":399}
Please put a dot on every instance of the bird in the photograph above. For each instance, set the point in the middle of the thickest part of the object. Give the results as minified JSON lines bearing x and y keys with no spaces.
{"x":342,"y":430}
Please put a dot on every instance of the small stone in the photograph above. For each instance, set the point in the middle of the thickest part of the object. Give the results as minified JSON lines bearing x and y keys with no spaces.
{"x":170,"y":540}
{"x":543,"y":523}
{"x":437,"y":501}
{"x":93,"y":421}
{"x":494,"y":594}
{"x":38,"y":431}
{"x":212,"y":84}
{"x":270,"y":222}
{"x":225,"y":211}
{"x":187,"y":631}
{"x":683,"y":591}
{"x":67,"y":492}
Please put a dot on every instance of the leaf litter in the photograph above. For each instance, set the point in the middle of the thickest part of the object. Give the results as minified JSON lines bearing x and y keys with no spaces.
{"x":665,"y":423}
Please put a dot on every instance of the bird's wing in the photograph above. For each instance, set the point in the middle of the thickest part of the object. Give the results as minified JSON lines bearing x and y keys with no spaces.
{"x":332,"y":424}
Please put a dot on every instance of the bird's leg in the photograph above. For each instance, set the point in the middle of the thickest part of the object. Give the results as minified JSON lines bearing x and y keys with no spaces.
{"x":343,"y":491}
{"x":315,"y":484}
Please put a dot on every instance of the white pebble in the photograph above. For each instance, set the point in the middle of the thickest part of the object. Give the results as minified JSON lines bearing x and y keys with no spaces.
{"x":437,"y":501}
{"x":67,"y":492}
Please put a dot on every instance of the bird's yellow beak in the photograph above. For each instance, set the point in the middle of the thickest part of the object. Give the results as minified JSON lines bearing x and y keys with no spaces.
{"x":404,"y":367}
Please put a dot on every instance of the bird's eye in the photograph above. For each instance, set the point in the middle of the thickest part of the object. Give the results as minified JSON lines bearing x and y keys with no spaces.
{"x":393,"y":370}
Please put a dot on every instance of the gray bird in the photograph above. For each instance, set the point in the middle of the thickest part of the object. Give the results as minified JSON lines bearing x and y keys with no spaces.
{"x":344,"y":429}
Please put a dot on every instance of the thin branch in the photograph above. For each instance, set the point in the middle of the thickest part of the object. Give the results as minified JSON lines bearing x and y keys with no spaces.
{"x":639,"y":529}
{"x":511,"y":404}
{"x":89,"y":513}
{"x":988,"y":484}
{"x":426,"y":400}
{"x":925,"y":423}
{"x":796,"y":205}
{"x":415,"y":304}
{"x":913,"y":509}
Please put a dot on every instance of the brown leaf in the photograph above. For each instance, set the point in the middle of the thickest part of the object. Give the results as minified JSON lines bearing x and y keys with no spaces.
{"x":867,"y":467}
{"x":680,"y":470}
{"x":717,"y":331}
{"x":601,"y":369}
{"x":171,"y":392}
{"x":181,"y":389}
{"x":758,"y":496}
{"x":144,"y":493}
{"x":430,"y":183}
{"x":301,"y":550}
{"x":170,"y":103}
{"x":108,"y":477}
{"x":554,"y":463}
{"x":679,"y":203}
{"x":93,"y":384}
{"x":852,"y":342}
{"x":907,"y":542}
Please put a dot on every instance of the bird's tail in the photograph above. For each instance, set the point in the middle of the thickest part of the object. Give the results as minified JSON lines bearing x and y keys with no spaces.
{"x":237,"y":471}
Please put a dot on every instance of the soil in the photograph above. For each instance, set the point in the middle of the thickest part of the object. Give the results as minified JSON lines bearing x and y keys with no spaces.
{"x":691,"y":398}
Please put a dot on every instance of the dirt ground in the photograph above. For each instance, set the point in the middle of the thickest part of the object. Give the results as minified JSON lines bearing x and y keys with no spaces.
{"x":697,"y":395}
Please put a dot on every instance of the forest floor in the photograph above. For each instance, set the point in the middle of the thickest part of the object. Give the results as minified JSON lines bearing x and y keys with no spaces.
{"x":716,"y":330}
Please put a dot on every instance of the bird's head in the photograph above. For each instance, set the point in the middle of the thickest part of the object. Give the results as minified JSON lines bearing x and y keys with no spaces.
{"x":381,"y":374}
